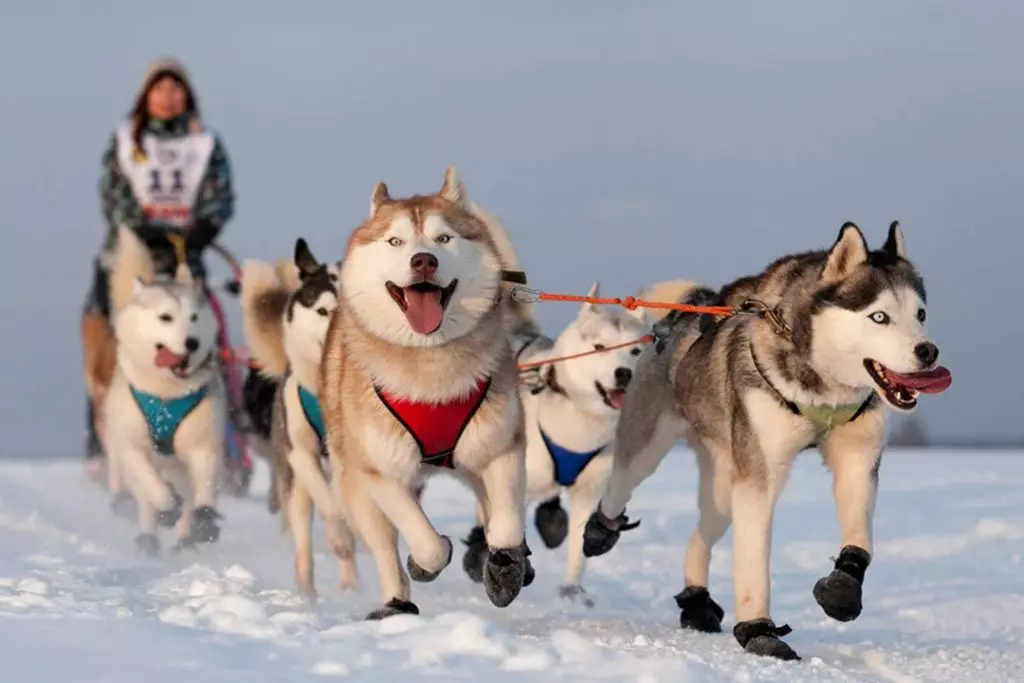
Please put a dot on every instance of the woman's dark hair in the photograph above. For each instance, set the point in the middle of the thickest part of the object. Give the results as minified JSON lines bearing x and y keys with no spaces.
{"x":140,"y":115}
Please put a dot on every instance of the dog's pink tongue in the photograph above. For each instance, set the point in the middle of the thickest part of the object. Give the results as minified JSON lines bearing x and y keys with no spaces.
{"x":615,"y":398}
{"x":423,"y":310}
{"x":933,"y":381}
{"x":165,"y":358}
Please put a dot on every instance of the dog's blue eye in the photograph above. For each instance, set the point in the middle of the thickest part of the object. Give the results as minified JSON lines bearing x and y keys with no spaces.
{"x":880,"y":317}
{"x":166,"y":318}
{"x":442,"y":239}
{"x":395,"y":242}
{"x":921,"y":315}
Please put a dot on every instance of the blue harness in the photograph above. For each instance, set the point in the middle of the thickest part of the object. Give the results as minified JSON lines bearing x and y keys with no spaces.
{"x":164,"y":416}
{"x":568,"y":464}
{"x":314,"y":416}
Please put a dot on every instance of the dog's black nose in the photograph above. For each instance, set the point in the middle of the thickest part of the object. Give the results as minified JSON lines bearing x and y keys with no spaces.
{"x":191,"y":344}
{"x":623,"y":376}
{"x":927,"y":353}
{"x":424,"y":264}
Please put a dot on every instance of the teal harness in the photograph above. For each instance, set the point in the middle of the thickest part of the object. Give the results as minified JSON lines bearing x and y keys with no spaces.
{"x":164,"y":416}
{"x":314,"y":416}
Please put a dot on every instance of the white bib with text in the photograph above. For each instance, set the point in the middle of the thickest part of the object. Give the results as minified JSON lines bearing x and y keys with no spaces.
{"x":166,"y":183}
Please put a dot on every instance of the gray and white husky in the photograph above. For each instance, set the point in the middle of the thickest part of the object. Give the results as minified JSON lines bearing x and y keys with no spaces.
{"x":842,"y":334}
{"x":571,"y":416}
{"x":166,"y":407}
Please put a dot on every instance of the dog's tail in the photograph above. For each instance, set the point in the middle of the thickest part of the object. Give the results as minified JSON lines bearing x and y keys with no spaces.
{"x":264,"y":300}
{"x":669,"y":291}
{"x":132,"y":261}
{"x":520,"y":321}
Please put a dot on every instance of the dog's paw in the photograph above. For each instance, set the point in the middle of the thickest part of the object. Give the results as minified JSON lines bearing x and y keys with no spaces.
{"x":601,"y":533}
{"x":123,"y":504}
{"x":204,"y":525}
{"x":147,"y":544}
{"x":699,"y":612}
{"x":183,"y":544}
{"x":418,"y":573}
{"x":391,"y":608}
{"x":552,"y":522}
{"x":762,"y":637}
{"x":170,"y":517}
{"x":840,"y":593}
{"x":575,"y":593}
{"x":476,"y":554}
{"x":505,"y":573}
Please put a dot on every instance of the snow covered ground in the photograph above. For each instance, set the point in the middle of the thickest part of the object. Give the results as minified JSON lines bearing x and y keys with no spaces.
{"x":944,"y":599}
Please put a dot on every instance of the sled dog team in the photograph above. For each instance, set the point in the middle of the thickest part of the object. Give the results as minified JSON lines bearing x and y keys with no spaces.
{"x":402,"y":360}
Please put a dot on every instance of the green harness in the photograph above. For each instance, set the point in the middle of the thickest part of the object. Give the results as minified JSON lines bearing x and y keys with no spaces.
{"x":823,"y":417}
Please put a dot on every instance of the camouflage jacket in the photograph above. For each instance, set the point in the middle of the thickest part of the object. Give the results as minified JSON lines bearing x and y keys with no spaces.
{"x":215,"y":204}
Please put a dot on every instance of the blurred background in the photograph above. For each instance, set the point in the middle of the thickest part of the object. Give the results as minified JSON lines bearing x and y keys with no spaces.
{"x":625,"y":142}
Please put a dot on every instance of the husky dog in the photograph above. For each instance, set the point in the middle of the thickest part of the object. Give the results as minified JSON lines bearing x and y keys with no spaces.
{"x":286,"y":331}
{"x":418,"y":378}
{"x":166,"y":404}
{"x":260,"y":388}
{"x":570,"y":421}
{"x":841,"y":333}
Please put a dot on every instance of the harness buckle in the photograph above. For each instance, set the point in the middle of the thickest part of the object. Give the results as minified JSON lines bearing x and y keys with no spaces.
{"x":769,"y":314}
{"x":525,"y":295}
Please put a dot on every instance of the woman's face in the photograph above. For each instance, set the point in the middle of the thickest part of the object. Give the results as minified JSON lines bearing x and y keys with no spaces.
{"x":166,"y":99}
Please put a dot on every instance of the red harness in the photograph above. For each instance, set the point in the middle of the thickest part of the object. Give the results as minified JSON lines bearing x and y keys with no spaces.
{"x":436,"y":427}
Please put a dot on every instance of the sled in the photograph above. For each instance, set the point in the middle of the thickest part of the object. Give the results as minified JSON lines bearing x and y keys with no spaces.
{"x":99,"y":347}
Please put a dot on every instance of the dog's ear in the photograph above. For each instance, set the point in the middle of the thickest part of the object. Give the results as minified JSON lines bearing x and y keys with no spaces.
{"x":304,"y":259}
{"x":453,"y":190}
{"x":849,"y":251}
{"x":378,"y":198}
{"x":595,"y":291}
{"x":895,"y":245}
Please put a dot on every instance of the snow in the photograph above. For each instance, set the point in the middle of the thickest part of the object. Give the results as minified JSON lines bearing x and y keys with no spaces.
{"x":944,"y":597}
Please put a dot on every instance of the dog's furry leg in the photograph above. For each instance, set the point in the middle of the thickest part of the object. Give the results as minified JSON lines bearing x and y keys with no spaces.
{"x":342,"y":541}
{"x":583,"y":497}
{"x":853,"y":452}
{"x":637,"y":456}
{"x":476,"y":542}
{"x":183,"y":529}
{"x":204,"y":469}
{"x":143,"y":479}
{"x":300,"y":523}
{"x":306,"y":467}
{"x":507,"y":568}
{"x":429,"y":552}
{"x":714,"y":501}
{"x":762,"y":455}
{"x":381,"y":539}
{"x":504,"y":483}
{"x":634,"y":462}
{"x":147,"y":543}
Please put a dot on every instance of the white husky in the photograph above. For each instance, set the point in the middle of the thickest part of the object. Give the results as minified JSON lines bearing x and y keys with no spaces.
{"x":166,"y":406}
{"x":570,"y":425}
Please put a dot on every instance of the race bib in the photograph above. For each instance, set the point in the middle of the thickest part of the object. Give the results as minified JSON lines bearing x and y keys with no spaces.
{"x":166,"y":182}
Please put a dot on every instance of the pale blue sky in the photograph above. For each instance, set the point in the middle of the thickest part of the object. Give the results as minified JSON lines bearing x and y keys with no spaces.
{"x":622,"y":141}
